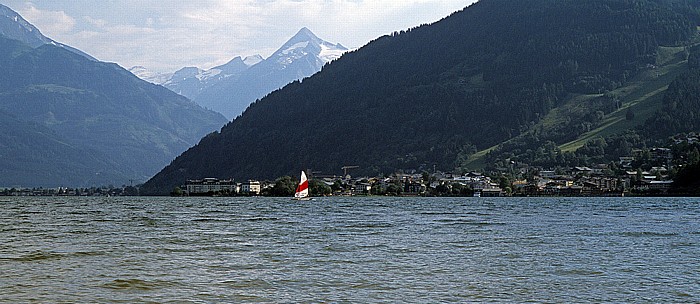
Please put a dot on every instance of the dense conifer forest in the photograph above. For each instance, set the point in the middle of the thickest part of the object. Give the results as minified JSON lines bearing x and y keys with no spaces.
{"x":483,"y":78}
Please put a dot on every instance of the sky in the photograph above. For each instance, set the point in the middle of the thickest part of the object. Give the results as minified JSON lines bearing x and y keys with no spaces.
{"x":166,"y":35}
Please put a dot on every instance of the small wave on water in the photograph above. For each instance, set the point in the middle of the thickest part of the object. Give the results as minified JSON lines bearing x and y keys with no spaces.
{"x":648,"y":234}
{"x":41,"y":255}
{"x":208,"y":220}
{"x":683,"y":294}
{"x":580,"y":272}
{"x":137,"y":284}
{"x":38,"y":255}
{"x":88,"y":253}
{"x":145,"y":221}
{"x":368,"y":225}
{"x":434,"y":213}
{"x":261,"y":219}
{"x":468,"y":222}
{"x":255,"y":283}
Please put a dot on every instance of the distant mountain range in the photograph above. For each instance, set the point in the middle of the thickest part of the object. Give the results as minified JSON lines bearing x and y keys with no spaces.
{"x":192,"y":81}
{"x":504,"y":81}
{"x":69,"y":120}
{"x":230,"y":88}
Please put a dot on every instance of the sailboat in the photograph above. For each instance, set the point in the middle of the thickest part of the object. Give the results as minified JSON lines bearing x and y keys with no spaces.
{"x":302,"y":192}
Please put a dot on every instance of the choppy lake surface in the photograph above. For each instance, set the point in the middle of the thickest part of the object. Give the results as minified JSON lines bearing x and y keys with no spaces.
{"x":349,"y":250}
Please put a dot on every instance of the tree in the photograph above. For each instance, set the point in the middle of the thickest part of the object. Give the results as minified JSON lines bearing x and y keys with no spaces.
{"x":457,"y":189}
{"x":694,"y":156}
{"x":337,"y":186}
{"x":284,"y":186}
{"x":640,"y":175}
{"x":442,"y":189}
{"x":688,"y":180}
{"x":393,"y":189}
{"x":319,"y":188}
{"x":427,"y":178}
{"x":377,"y":189}
{"x":177,"y":192}
{"x":133,"y":191}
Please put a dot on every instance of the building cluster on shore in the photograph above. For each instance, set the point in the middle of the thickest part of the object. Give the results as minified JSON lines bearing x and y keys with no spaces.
{"x":396,"y":184}
{"x":579,"y":181}
{"x":620,"y":178}
{"x":65,"y":191}
{"x":223,"y":187}
{"x":615,"y":179}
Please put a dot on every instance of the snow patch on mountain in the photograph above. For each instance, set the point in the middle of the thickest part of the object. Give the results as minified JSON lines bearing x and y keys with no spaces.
{"x":204,"y":75}
{"x":331,"y":52}
{"x":253,"y":60}
{"x":150,"y":76}
{"x":295,"y":47}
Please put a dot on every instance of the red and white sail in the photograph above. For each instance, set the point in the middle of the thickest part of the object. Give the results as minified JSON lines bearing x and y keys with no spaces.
{"x":303,"y":187}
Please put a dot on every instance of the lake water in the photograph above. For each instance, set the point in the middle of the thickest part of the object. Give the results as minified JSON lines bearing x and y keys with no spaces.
{"x":349,"y":250}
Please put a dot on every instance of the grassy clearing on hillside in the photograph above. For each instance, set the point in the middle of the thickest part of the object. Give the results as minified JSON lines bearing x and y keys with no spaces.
{"x":642,"y":95}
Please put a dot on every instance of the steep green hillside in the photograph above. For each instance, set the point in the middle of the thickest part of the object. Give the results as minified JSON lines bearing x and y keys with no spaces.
{"x":118,"y":127}
{"x":642,"y":97}
{"x":431,"y":96}
{"x":585,"y":117}
{"x":31,"y":154}
{"x":680,"y":112}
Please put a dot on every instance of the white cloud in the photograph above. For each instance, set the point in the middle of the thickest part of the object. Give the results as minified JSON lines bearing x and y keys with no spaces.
{"x":48,"y":21}
{"x":95,"y":22}
{"x":167,"y":35}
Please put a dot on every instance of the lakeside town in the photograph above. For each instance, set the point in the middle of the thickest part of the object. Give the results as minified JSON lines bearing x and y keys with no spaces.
{"x":632,"y":175}
{"x":578,"y":181}
{"x":645,"y":172}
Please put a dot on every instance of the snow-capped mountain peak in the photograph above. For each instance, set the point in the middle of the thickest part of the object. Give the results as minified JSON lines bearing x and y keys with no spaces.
{"x":301,"y":56}
{"x":303,"y":35}
{"x":306,"y":43}
{"x":231,"y":87}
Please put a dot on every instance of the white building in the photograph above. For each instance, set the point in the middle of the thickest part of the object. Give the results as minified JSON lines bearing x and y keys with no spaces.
{"x":251,"y":187}
{"x":210,"y":185}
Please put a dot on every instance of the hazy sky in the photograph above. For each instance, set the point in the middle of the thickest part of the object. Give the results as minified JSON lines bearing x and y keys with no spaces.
{"x":165,"y":35}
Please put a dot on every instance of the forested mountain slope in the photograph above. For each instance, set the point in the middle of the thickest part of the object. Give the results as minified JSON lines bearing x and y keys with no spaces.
{"x":31,"y":154}
{"x":72,"y":121}
{"x":433,"y":95}
{"x":595,"y":128}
